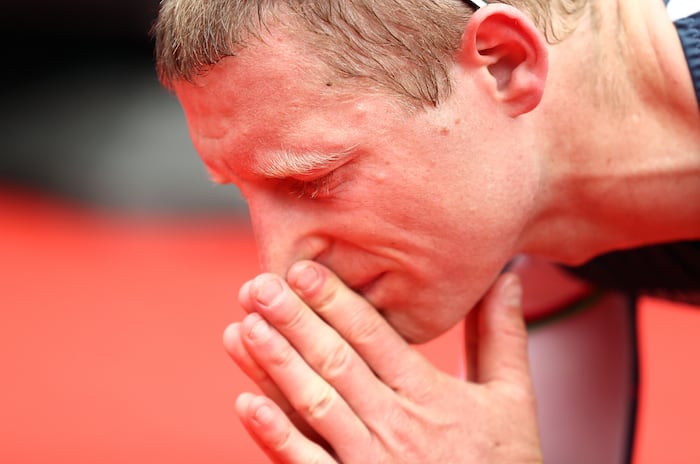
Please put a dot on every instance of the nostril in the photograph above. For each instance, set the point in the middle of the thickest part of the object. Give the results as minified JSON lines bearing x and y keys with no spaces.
{"x":278,"y":254}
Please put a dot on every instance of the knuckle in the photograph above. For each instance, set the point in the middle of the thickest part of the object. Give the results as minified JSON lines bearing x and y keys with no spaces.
{"x":363,"y":330}
{"x":337,"y":362}
{"x":281,"y":356}
{"x":294,"y":320}
{"x":327,"y":299}
{"x":318,"y":405}
{"x":281,"y":441}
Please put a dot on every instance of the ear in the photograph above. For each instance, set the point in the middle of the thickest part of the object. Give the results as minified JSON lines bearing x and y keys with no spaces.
{"x":508,"y":54}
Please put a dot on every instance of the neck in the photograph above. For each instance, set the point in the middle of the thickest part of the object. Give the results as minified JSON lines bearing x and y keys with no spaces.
{"x":623,"y":169}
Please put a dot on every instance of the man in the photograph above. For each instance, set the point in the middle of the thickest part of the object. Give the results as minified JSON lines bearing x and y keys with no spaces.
{"x":395,"y":156}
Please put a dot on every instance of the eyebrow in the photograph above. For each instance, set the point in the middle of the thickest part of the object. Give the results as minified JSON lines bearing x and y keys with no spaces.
{"x":284,"y":164}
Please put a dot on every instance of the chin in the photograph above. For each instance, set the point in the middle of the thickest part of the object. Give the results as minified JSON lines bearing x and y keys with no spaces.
{"x":419,"y":338}
{"x":413,"y":331}
{"x":415,"y":319}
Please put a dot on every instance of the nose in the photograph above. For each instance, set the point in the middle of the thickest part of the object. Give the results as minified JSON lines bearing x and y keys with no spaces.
{"x":286,"y":230}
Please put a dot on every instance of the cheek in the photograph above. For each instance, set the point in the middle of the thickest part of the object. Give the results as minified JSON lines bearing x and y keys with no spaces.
{"x":445,"y":216}
{"x":495,"y":202}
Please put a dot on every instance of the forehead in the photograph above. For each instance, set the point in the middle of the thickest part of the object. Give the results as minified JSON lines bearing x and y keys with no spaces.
{"x":271,"y":96}
{"x":259,"y":80}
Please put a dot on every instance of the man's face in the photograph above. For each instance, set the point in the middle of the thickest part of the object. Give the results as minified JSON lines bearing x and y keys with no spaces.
{"x":407,"y":208}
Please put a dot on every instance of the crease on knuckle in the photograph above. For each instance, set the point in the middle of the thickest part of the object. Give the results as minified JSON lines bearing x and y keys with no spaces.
{"x":326,"y":300}
{"x":295,"y":320}
{"x":336,"y":363}
{"x":318,"y":405}
{"x":282,"y":441}
{"x":282,"y":357}
{"x":362,"y":331}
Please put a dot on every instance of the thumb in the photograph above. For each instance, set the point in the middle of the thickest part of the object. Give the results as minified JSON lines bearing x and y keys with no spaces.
{"x":502,"y":335}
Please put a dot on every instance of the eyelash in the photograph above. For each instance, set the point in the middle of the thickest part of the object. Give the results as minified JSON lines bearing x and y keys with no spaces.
{"x":313,"y":189}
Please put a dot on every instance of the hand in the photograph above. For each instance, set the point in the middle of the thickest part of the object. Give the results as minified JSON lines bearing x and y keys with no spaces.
{"x":342,"y":386}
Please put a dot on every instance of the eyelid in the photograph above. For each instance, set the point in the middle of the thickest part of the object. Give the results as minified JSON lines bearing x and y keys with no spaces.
{"x":317,"y":188}
{"x":315,"y":174}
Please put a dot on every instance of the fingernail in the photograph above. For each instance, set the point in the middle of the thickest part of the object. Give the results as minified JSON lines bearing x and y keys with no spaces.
{"x":512,"y":290}
{"x":304,"y":277}
{"x":268,"y":292}
{"x":263,"y":415}
{"x":231,"y":334}
{"x":244,"y":292}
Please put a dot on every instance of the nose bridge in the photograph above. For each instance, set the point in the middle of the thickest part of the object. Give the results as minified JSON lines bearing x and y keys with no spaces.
{"x":284,"y":232}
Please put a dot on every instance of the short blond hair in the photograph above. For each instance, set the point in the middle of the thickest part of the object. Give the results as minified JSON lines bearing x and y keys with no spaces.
{"x":403,"y":46}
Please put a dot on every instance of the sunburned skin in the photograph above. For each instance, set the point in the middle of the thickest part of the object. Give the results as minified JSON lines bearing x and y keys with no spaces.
{"x":386,"y":199}
{"x":536,"y":151}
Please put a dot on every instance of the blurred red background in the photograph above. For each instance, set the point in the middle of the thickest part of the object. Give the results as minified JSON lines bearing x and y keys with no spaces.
{"x":111,"y":349}
{"x":120,"y":264}
{"x":110,"y":335}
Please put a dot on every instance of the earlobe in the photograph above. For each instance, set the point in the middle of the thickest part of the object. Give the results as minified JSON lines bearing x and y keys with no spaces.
{"x":511,"y":52}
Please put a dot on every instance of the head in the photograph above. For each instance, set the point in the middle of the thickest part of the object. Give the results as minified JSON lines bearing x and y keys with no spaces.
{"x":403,"y":46}
{"x":370,"y":136}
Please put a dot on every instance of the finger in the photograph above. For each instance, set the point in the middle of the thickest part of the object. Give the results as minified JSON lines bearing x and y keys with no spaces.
{"x":502,"y":337}
{"x":236,"y":349}
{"x":275,"y":434}
{"x":244,"y":297}
{"x":322,"y":348}
{"x":248,"y":365}
{"x":358,"y":322}
{"x":317,"y":402}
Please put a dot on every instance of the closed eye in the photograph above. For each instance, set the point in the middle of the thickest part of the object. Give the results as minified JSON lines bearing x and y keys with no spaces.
{"x":313,"y":189}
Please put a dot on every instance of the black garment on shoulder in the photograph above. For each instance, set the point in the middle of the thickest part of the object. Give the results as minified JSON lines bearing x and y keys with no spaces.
{"x":670,"y":271}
